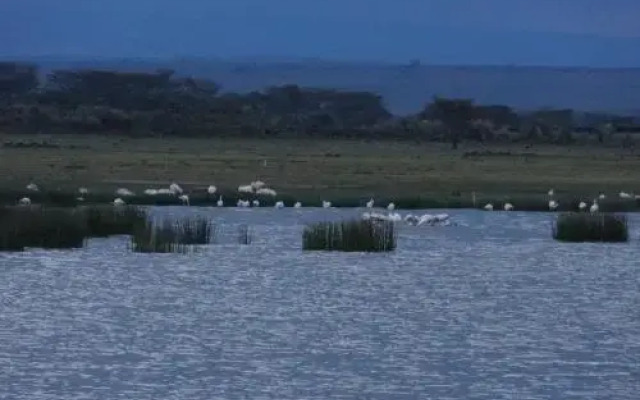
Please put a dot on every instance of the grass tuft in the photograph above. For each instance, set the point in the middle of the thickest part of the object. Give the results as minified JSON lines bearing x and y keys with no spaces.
{"x":353,"y":235}
{"x":587,"y":227}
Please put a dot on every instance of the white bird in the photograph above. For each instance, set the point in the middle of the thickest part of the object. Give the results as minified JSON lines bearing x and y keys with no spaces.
{"x":602,"y":196}
{"x":245,"y":189}
{"x":175,"y":188}
{"x":582,"y":206}
{"x":370,"y":203}
{"x":488,"y":207}
{"x":553,"y":205}
{"x":434,"y":219}
{"x":33,"y":187}
{"x":124,"y":192}
{"x":256,"y":203}
{"x":212,"y":189}
{"x":297,"y":205}
{"x":594,"y":207}
{"x":266,"y":192}
{"x":441,"y":217}
{"x":508,"y":207}
{"x":25,"y":201}
{"x":550,"y":193}
{"x":624,"y":195}
{"x":426,"y":219}
{"x":83,"y":190}
{"x":376,"y":216}
{"x":279,"y":204}
{"x":257,"y":184}
{"x":242,"y":203}
{"x":184,"y":199}
{"x":326,"y":204}
{"x":395,"y":217}
{"x":118,"y":202}
{"x":391,"y":207}
{"x":220,"y":203}
{"x":411,"y":219}
{"x":151,"y":192}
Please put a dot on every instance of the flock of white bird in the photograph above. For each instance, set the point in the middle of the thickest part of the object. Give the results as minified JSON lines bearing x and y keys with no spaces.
{"x":582,"y":206}
{"x":410,"y":219}
{"x":260,"y":188}
{"x":254,"y":188}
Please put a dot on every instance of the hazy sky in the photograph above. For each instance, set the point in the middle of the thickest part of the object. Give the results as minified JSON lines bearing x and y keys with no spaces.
{"x":541,"y":32}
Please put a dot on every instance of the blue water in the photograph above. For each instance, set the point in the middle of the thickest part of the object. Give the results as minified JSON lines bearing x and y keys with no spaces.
{"x":491,"y":308}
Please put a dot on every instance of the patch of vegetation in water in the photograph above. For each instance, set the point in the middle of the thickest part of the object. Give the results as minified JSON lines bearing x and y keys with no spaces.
{"x":350,"y":236}
{"x":103,"y":221}
{"x":195,"y":231}
{"x":170,"y":236}
{"x":47,"y":228}
{"x":244,"y":235}
{"x":591,"y":227}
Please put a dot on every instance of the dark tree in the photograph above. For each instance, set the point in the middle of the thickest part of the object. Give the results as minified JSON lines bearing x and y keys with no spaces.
{"x":17,"y":79}
{"x":455,"y":114}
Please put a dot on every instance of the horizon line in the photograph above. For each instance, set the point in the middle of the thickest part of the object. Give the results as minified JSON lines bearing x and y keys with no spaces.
{"x":279,"y":59}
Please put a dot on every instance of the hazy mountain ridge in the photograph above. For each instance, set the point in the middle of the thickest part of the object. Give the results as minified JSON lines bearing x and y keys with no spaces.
{"x":406,"y":88}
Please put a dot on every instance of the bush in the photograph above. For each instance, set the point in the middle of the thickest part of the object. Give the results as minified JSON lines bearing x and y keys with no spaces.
{"x":355,"y":235}
{"x":598,"y":227}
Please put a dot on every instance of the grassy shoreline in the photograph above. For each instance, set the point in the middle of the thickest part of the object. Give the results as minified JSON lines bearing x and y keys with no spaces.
{"x":346,"y":172}
{"x":521,"y":202}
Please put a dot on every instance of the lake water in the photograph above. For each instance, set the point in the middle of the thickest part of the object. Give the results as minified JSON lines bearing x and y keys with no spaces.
{"x":490,"y":309}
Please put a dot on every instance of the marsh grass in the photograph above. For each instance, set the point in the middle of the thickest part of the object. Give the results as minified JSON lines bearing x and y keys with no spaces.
{"x":348,"y":236}
{"x":195,"y":231}
{"x":103,"y":221}
{"x":244,"y":235}
{"x":587,"y":227}
{"x":47,"y":228}
{"x":169,"y":236}
{"x":149,"y":237}
{"x":524,"y":199}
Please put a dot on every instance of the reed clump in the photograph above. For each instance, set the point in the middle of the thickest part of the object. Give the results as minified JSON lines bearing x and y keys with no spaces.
{"x":47,"y":228}
{"x":350,"y":236}
{"x":103,"y":221}
{"x":591,"y":227}
{"x":195,"y":231}
{"x":170,"y":236}
{"x":149,"y":237}
{"x":244,"y":235}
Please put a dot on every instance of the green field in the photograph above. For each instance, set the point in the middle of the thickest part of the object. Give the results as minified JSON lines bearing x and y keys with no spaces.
{"x":314,"y":169}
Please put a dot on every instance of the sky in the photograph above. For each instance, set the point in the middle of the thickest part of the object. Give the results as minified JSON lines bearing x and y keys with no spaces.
{"x":515,"y":32}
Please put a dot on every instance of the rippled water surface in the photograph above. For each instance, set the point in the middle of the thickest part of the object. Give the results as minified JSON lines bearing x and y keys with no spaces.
{"x":489,"y":309}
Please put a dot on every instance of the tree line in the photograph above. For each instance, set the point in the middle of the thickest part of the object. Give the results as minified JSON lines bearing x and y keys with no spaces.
{"x":162,"y":103}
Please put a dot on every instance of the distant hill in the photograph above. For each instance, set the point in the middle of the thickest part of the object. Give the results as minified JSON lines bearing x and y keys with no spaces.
{"x":406,"y":88}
